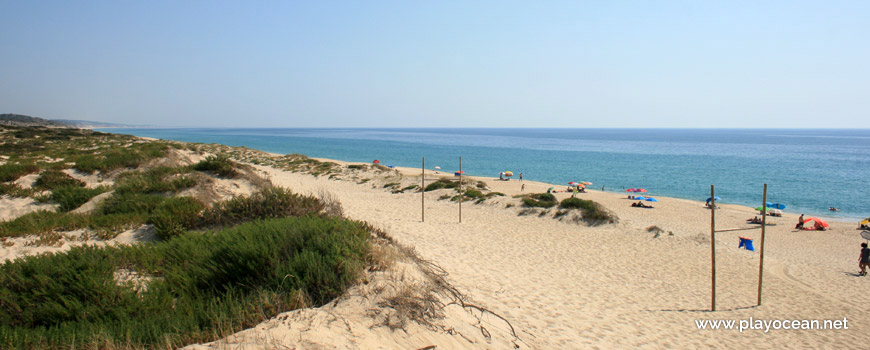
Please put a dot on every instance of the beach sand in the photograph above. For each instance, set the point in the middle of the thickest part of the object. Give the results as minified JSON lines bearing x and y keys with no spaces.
{"x":564,"y":285}
{"x":569,"y":286}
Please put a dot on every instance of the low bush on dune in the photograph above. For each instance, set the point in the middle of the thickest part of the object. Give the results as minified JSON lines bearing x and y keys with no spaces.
{"x":119,"y":158}
{"x":539,"y":200}
{"x":13,"y":190}
{"x":11,"y":172}
{"x":41,"y":222}
{"x":72,"y":197}
{"x":272,"y":202}
{"x":441,"y":183}
{"x":194,"y":288}
{"x":52,"y":179}
{"x":175,"y":215}
{"x":219,"y":165}
{"x":593,"y":213}
{"x":155,"y":180}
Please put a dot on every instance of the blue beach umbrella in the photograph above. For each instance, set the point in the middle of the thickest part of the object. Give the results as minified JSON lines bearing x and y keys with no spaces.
{"x":716,"y":198}
{"x":651,"y":199}
{"x":640,"y":197}
{"x":775,"y":205}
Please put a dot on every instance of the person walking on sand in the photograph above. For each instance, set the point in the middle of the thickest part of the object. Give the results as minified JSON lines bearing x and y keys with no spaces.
{"x":523,"y":188}
{"x":864,"y":259}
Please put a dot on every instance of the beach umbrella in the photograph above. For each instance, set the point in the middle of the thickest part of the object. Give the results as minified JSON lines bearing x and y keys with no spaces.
{"x":819,"y":223}
{"x":437,"y":167}
{"x":391,"y":166}
{"x":508,"y":173}
{"x":376,"y":162}
{"x":573,"y":183}
{"x":635,"y":190}
{"x":640,"y":198}
{"x":651,"y":199}
{"x":716,"y":198}
{"x":762,"y":208}
{"x":458,"y":173}
{"x":865,"y":221}
{"x":587,"y":183}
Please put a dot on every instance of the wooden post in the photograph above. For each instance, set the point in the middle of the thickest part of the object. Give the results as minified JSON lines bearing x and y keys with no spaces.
{"x":461,"y":193}
{"x":713,"y":246}
{"x":761,"y":259}
{"x":423,"y":191}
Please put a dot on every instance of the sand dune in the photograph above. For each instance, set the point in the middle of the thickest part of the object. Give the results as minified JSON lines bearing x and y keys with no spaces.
{"x":563,"y":285}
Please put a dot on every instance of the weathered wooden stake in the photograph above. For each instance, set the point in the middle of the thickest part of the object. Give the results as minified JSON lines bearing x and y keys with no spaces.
{"x":713,"y":247}
{"x":761,"y":259}
{"x":423,"y":191}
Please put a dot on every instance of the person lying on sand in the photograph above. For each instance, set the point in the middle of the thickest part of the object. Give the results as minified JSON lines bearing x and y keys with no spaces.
{"x":640,"y":204}
{"x":754,"y":220}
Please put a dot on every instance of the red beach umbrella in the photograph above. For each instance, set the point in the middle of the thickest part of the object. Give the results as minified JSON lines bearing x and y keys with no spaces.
{"x":376,"y":162}
{"x":819,"y":223}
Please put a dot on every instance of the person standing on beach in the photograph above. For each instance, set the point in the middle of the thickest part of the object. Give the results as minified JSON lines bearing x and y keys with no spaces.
{"x":521,"y":176}
{"x":523,"y":188}
{"x":864,"y":259}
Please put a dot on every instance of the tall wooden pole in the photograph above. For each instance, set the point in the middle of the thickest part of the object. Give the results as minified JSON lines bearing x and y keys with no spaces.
{"x":761,"y":260}
{"x":423,"y":191}
{"x":713,"y":246}
{"x":461,"y":193}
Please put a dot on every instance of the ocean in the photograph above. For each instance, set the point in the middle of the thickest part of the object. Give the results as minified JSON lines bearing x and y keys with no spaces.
{"x":806,"y":170}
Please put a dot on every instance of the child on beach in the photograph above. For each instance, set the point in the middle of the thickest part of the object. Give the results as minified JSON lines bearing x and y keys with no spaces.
{"x":864,"y":259}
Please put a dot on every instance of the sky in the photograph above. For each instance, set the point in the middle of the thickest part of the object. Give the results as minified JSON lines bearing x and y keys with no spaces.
{"x":675,"y":64}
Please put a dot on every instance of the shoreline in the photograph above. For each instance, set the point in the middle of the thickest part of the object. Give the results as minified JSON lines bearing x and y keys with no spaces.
{"x":611,"y":173}
{"x":513,"y":186}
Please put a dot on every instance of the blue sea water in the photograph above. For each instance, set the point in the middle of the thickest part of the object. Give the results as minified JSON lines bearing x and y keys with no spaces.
{"x":807,"y":170}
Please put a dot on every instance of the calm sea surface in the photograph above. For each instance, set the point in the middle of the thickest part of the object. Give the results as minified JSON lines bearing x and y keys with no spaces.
{"x":807,"y":170}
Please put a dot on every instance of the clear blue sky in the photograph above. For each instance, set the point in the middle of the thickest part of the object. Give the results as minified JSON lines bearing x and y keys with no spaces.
{"x":439,"y":63}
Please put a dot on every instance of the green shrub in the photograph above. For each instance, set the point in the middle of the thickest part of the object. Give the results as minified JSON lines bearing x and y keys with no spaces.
{"x":174,"y":216}
{"x":528,"y":202}
{"x":47,"y":221}
{"x":200,"y":287}
{"x":13,"y":190}
{"x":593,"y":213}
{"x":156,"y":180}
{"x":73,"y":196}
{"x":219,"y":165}
{"x":11,"y":172}
{"x":544,"y":197}
{"x":539,"y":200}
{"x":358,"y":166}
{"x":272,"y":202}
{"x":117,"y":158}
{"x":441,"y":183}
{"x":52,"y":179}
{"x":130,"y":203}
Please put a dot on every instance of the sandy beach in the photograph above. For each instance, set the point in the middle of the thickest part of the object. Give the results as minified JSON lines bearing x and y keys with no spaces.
{"x":570,"y":286}
{"x":564,"y":285}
